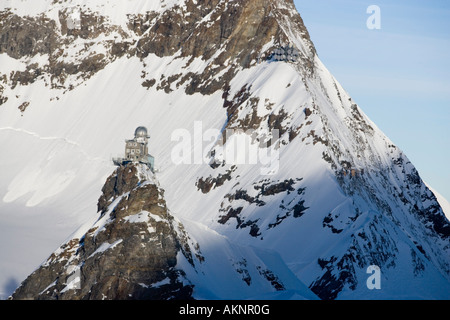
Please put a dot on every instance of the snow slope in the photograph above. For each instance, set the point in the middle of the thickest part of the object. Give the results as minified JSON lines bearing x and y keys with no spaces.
{"x":445,"y":205}
{"x":326,"y":228}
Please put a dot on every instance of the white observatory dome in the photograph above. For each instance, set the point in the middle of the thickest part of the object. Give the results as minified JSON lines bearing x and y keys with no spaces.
{"x":141,"y":132}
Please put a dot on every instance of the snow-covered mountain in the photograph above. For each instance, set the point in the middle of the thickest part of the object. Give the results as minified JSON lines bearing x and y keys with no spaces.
{"x":319,"y":195}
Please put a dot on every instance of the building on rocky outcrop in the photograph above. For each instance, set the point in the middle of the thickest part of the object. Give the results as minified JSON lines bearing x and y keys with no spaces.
{"x":130,"y":252}
{"x":351,"y":173}
{"x":136,"y":150}
{"x":285,"y":53}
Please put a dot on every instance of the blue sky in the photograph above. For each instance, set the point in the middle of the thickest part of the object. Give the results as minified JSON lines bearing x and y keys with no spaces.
{"x":399,"y":75}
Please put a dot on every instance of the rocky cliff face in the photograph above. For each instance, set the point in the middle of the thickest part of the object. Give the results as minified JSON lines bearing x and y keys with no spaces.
{"x":129,"y":253}
{"x":226,"y":35}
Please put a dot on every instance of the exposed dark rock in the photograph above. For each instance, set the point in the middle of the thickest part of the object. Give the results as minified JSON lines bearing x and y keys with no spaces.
{"x":205,"y":185}
{"x":272,"y":278}
{"x":120,"y":182}
{"x":26,"y":36}
{"x":299,"y":209}
{"x":24,"y":106}
{"x":148,"y":83}
{"x":271,"y":189}
{"x":231,"y":213}
{"x":30,"y":36}
{"x":338,"y":274}
{"x":372,"y":246}
{"x":266,"y":188}
{"x":241,"y":268}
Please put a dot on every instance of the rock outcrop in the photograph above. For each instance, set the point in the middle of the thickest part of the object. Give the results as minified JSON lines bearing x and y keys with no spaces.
{"x":227,"y":35}
{"x":129,"y":253}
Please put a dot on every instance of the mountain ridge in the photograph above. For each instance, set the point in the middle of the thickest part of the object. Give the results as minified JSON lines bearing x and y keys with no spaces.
{"x":336,"y":173}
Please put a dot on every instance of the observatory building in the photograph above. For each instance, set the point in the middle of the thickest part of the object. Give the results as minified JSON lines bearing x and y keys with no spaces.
{"x":285,"y":53}
{"x":136,"y":149}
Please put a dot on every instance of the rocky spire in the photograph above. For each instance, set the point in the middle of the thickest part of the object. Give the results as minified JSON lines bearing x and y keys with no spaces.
{"x":129,"y":253}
